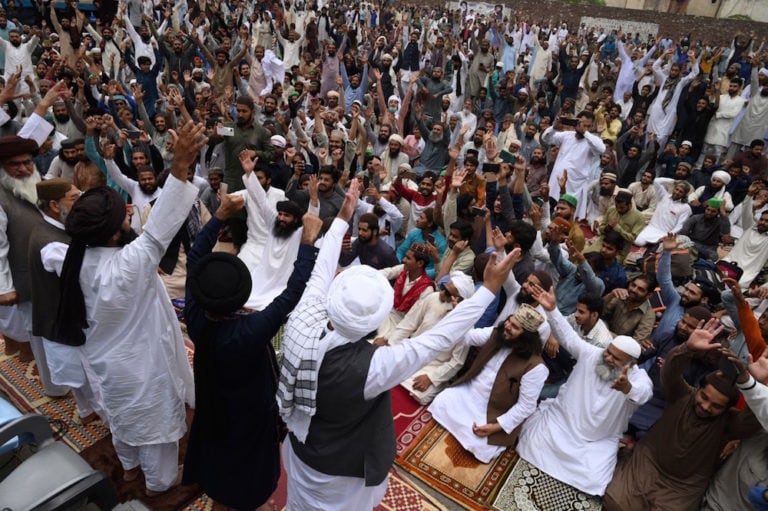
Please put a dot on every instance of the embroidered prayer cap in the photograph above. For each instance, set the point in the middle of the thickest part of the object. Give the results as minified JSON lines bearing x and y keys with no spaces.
{"x":628,"y":345}
{"x":278,"y":141}
{"x":715,"y":203}
{"x":686,"y":142}
{"x":396,"y":138}
{"x":220,"y":283}
{"x":683,"y":184}
{"x":464,"y":284}
{"x":685,"y":164}
{"x":528,"y":317}
{"x":290,"y":207}
{"x":332,"y":94}
{"x":14,"y":145}
{"x":359,"y":300}
{"x":569,"y":199}
{"x":722,"y":176}
{"x":610,"y":176}
{"x":53,"y":189}
{"x":387,"y":56}
{"x":216,"y":171}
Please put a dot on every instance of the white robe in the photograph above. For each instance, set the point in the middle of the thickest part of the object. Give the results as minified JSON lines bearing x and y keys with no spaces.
{"x":751,"y":251}
{"x":259,"y":231}
{"x":575,"y":437}
{"x":134,"y":353}
{"x":270,"y":275}
{"x":457,"y":408}
{"x":720,"y":126}
{"x":661,"y":121}
{"x":669,"y":215}
{"x":578,"y":156}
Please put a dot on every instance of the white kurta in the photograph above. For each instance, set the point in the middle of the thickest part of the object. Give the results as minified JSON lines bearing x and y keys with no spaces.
{"x":270,"y":275}
{"x":134,"y":350}
{"x":720,"y":126}
{"x":457,"y":408}
{"x":309,"y":489}
{"x":661,"y":121}
{"x":258,"y":230}
{"x":575,"y":437}
{"x":669,"y":215}
{"x":577,"y":156}
{"x":751,"y":251}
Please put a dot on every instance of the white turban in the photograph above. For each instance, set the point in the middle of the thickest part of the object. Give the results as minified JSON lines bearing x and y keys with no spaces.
{"x":464,"y":284}
{"x":359,"y":301}
{"x":763,"y":71}
{"x":722,"y":176}
{"x":628,"y":345}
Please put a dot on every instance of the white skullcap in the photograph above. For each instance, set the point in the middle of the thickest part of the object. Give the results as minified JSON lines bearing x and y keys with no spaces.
{"x":722,"y":176}
{"x":359,"y":301}
{"x":763,"y":71}
{"x":522,"y":91}
{"x":392,"y":98}
{"x":278,"y":141}
{"x":464,"y":284}
{"x":628,"y":345}
{"x":387,"y":56}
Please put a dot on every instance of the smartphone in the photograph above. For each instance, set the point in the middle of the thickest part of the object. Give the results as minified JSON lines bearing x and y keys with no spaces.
{"x":493,"y":168}
{"x":478,"y":211}
{"x":225,"y":131}
{"x":309,"y":168}
{"x":223,"y":188}
{"x":366,"y":182}
{"x":429,"y":238}
{"x":728,"y":368}
{"x":508,"y":157}
{"x":567,"y":121}
{"x":134,"y":135}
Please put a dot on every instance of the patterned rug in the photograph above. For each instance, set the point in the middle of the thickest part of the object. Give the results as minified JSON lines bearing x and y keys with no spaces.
{"x":529,"y":489}
{"x":412,"y":431}
{"x":438,"y":459}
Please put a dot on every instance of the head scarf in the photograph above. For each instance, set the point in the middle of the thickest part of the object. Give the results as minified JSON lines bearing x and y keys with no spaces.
{"x":722,"y":176}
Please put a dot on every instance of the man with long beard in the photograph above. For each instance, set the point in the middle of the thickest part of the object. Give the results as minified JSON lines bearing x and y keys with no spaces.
{"x":270,"y":275}
{"x":64,"y":164}
{"x":575,"y":437}
{"x":18,"y":218}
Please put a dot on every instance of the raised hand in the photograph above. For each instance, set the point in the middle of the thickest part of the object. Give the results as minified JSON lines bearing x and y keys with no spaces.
{"x":545,"y":298}
{"x":108,"y":151}
{"x":229,"y":205}
{"x":563,"y":180}
{"x":458,"y":178}
{"x":187,"y":142}
{"x":496,"y":272}
{"x":350,"y":200}
{"x":312,"y":225}
{"x":247,"y":160}
{"x":622,"y":383}
{"x":759,"y":368}
{"x":701,"y":338}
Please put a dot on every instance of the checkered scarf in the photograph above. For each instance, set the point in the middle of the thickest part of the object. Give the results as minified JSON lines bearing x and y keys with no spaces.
{"x":302,"y":357}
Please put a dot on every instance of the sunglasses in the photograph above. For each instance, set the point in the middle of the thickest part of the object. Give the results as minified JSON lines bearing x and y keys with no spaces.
{"x":457,"y":297}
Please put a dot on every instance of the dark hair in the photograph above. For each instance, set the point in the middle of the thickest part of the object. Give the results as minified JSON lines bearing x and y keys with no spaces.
{"x":524,"y":346}
{"x":524,"y":234}
{"x":429,"y":174}
{"x":615,"y":239}
{"x":371,"y":220}
{"x":648,"y":280}
{"x":592,"y":301}
{"x":264,"y":169}
{"x":420,"y":255}
{"x":329,"y":169}
{"x":478,"y":267}
{"x":584,"y":114}
{"x":145,"y":168}
{"x":144,"y":60}
{"x":756,"y":142}
{"x":465,"y":229}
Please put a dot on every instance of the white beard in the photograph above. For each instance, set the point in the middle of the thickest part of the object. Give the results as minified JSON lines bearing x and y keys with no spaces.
{"x":606,"y":372}
{"x":24,"y":188}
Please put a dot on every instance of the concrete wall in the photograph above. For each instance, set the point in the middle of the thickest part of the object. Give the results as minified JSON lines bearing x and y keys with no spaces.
{"x":757,"y":10}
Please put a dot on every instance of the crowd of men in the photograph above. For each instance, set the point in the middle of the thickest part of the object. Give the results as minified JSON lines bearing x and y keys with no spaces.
{"x":555,"y":237}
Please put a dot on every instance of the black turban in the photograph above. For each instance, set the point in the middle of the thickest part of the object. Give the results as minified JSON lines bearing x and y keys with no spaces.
{"x":290,"y":207}
{"x":220,"y":283}
{"x":95,"y":218}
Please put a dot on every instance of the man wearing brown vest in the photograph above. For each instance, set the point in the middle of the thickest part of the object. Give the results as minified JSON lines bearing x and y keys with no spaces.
{"x":55,"y":198}
{"x":486,"y":406}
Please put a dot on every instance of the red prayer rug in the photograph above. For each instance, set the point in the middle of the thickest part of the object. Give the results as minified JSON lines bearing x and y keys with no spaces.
{"x":439,"y":460}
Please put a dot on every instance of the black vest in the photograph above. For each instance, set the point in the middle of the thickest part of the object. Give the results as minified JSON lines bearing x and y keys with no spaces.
{"x":23,"y":218}
{"x":349,"y":436}
{"x":44,"y":285}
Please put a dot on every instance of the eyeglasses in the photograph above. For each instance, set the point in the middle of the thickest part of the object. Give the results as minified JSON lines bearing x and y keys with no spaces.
{"x":457,"y":297}
{"x":16,"y":164}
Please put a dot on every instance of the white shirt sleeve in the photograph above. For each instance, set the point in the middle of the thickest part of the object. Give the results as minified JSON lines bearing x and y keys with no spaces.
{"x":53,"y":255}
{"x":530,"y":387}
{"x":35,"y":128}
{"x":391,"y":365}
{"x":756,"y":396}
{"x":6,"y":279}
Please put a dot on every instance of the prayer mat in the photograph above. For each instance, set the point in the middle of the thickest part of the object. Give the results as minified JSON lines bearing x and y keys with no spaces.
{"x":403,"y":496}
{"x":413,"y":429}
{"x":102,"y":456}
{"x":21,"y":383}
{"x":439,"y":460}
{"x":529,"y":489}
{"x":404,"y":409}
